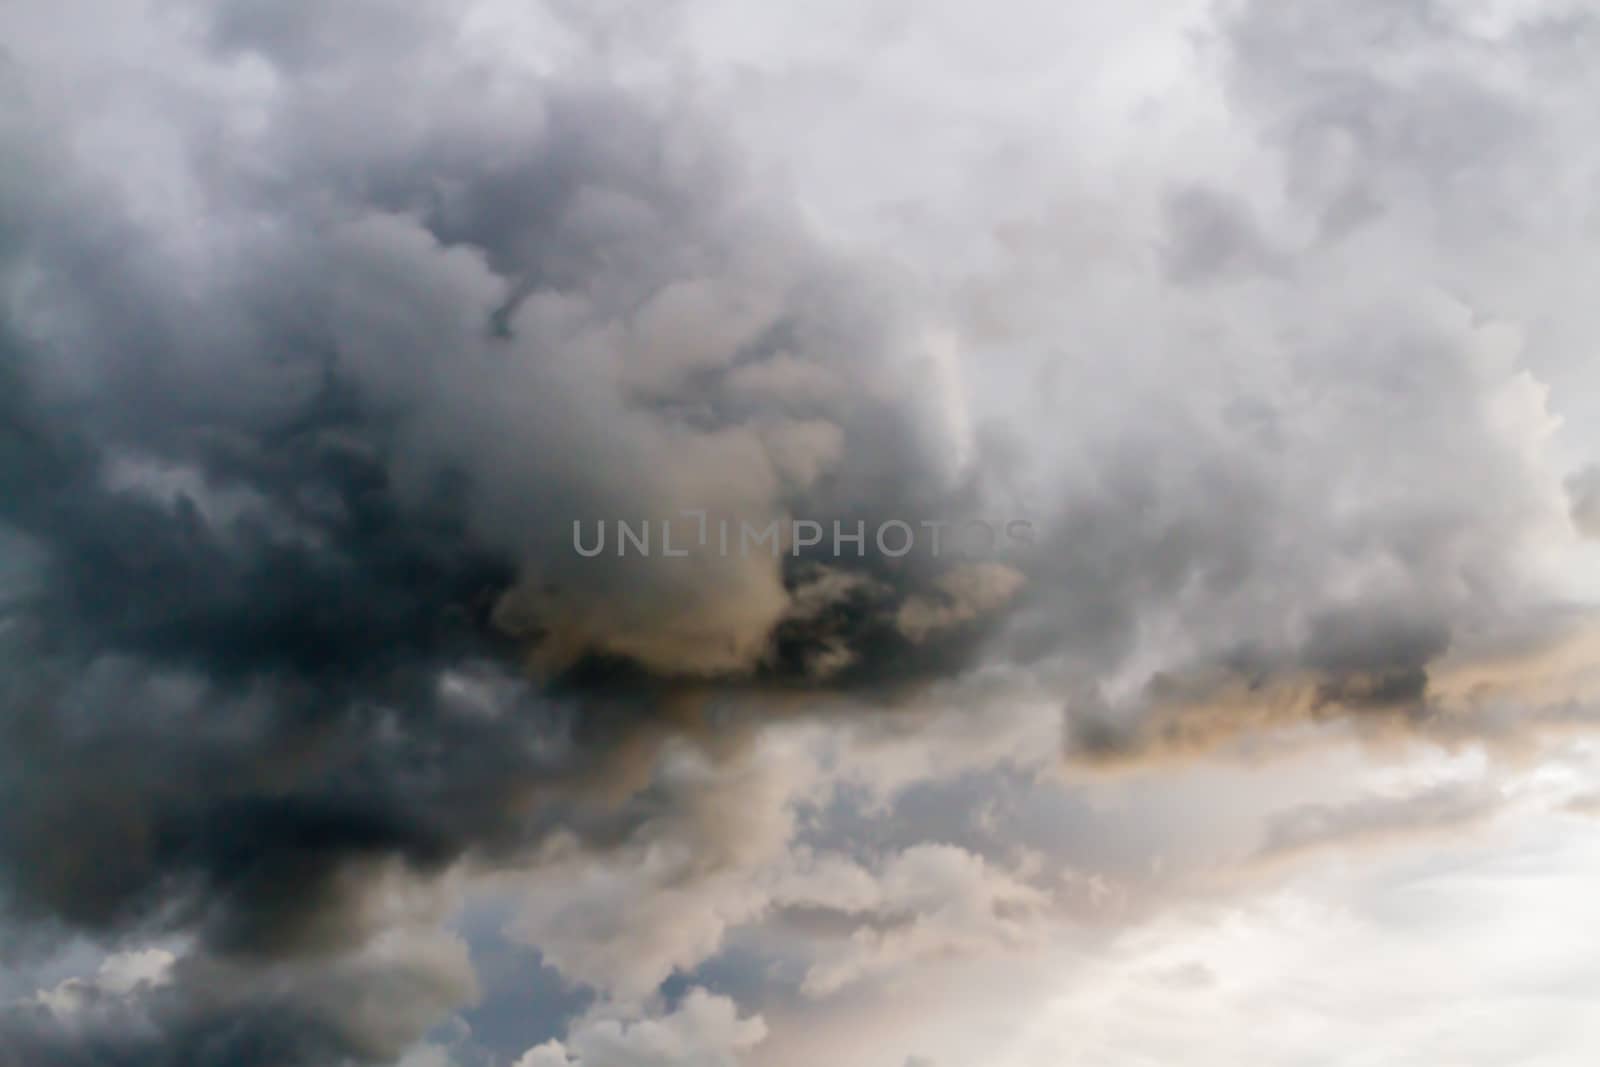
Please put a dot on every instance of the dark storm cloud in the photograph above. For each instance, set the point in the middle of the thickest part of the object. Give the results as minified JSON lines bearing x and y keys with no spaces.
{"x":299,"y":402}
{"x":422,"y":333}
{"x":209,"y":1013}
{"x":213,"y":713}
{"x":301,"y":461}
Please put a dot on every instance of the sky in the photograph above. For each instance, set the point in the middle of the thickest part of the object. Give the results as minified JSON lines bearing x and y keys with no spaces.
{"x":1255,"y":336}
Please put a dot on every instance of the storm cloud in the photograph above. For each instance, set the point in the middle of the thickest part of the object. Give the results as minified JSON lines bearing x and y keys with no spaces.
{"x":323,"y":327}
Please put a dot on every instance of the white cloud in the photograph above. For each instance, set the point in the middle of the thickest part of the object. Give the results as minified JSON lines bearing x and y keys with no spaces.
{"x":122,"y":976}
{"x":703,"y":1030}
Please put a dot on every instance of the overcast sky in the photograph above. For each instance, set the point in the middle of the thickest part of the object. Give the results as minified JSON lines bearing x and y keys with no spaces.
{"x":1268,"y":322}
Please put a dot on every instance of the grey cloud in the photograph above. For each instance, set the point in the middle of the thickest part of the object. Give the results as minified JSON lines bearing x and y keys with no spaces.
{"x":1326,"y":555}
{"x":1211,"y":236}
{"x":458,"y":333}
{"x":298,"y":406}
{"x":418,"y":335}
{"x":1377,"y":820}
{"x":1583,"y":489}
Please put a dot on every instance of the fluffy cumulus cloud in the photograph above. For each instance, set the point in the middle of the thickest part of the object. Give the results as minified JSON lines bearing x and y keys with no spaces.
{"x":635,"y":534}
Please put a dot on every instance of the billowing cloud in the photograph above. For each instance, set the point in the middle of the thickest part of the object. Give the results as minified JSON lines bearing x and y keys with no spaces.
{"x":704,"y":1029}
{"x":380,"y":385}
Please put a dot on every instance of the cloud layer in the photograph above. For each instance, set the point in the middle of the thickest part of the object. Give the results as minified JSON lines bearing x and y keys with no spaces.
{"x":323,"y":329}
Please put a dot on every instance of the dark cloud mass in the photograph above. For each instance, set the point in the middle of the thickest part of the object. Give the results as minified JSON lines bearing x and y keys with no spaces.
{"x":323,"y":323}
{"x":298,"y":430}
